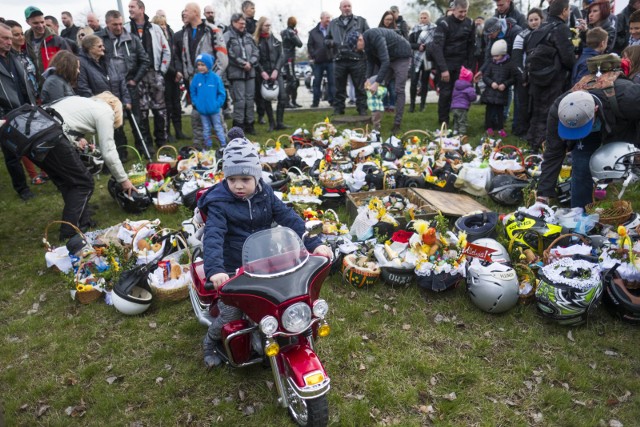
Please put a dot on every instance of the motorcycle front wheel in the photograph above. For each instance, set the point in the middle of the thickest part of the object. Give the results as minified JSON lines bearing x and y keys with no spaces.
{"x":308,"y":412}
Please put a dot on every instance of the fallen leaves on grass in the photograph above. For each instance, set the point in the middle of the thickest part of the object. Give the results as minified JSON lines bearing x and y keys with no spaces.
{"x":406,"y":327}
{"x":76,"y":411}
{"x":114,"y":378}
{"x":426,"y":409}
{"x":41,"y":409}
{"x":153,"y":325}
{"x":159,"y":380}
{"x":34,"y":308}
{"x":570,"y":336}
{"x":355,"y":396}
{"x":450,"y":397}
{"x":611,"y":353}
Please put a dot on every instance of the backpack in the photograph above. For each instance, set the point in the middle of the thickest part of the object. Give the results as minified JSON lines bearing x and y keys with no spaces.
{"x":541,"y":64}
{"x":29,"y":127}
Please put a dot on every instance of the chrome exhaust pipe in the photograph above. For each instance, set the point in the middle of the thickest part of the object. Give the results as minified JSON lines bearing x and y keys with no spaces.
{"x":200,"y":310}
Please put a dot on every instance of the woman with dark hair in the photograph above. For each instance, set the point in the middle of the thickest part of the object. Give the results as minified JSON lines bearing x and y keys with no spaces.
{"x":270,"y":61}
{"x":632,"y":53}
{"x":290,"y":41}
{"x":520,"y":124}
{"x":388,"y":21}
{"x":60,"y":77}
{"x":19,"y":48}
{"x":599,"y":15}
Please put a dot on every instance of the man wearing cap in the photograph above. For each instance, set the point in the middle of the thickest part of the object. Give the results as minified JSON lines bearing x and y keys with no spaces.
{"x":499,"y":29}
{"x":42,"y":43}
{"x":581,"y":121}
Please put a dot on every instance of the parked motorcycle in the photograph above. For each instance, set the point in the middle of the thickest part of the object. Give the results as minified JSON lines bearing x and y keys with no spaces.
{"x":277,"y":288}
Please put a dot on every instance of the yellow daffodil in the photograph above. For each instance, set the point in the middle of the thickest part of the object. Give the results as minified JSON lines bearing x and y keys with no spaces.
{"x":462,"y":239}
{"x":326,"y":120}
{"x":622,"y":231}
{"x":317,"y":191}
{"x":278,"y":146}
{"x":421,"y":226}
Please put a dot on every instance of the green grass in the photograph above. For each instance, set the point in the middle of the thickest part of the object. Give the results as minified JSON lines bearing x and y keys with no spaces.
{"x":503,"y":369}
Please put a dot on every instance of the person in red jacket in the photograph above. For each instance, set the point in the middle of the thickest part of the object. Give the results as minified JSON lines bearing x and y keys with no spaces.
{"x":42,"y":43}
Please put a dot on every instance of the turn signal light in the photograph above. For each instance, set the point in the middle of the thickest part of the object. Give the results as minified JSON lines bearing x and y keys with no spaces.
{"x":272,"y":349}
{"x":324,"y":330}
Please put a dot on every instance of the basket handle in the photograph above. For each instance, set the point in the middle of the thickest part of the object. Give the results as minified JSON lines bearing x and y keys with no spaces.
{"x":547,"y":252}
{"x":317,"y":125}
{"x":513,"y":147}
{"x":45,"y":239}
{"x":286,"y":136}
{"x":135,"y":151}
{"x":269,"y":141}
{"x":335,"y":215}
{"x":266,"y":166}
{"x":175,"y":151}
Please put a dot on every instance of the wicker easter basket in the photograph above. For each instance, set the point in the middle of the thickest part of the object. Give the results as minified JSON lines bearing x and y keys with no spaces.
{"x":326,"y":180}
{"x":359,"y":138}
{"x":138,"y":178}
{"x":547,"y":257}
{"x":611,"y":212}
{"x":358,"y":276}
{"x":83,"y":297}
{"x":174,"y":159}
{"x":498,"y":167}
{"x":176,"y":293}
{"x":407,"y":138}
{"x":287,"y":145}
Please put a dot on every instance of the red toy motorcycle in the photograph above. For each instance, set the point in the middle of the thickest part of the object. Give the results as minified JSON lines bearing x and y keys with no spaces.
{"x":277,"y":288}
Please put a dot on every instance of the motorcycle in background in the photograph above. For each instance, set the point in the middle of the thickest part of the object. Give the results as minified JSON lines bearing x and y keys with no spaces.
{"x":278,"y":290}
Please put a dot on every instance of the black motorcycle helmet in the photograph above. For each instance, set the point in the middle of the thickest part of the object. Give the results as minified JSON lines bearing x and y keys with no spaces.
{"x":507,"y":189}
{"x":135,"y":203}
{"x":478,"y":225}
{"x":620,"y":300}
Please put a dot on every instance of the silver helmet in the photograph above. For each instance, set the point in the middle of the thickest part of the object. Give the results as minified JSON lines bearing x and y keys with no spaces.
{"x":500,"y":253}
{"x":492,"y":287}
{"x":613,"y":161}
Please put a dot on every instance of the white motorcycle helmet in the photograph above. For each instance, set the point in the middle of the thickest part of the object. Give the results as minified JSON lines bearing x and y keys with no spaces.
{"x":493,"y":287}
{"x":614,"y":162}
{"x":131,"y":294}
{"x":269,"y":90}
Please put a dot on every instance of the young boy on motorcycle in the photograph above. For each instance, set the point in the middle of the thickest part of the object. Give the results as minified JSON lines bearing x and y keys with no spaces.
{"x":237,"y":207}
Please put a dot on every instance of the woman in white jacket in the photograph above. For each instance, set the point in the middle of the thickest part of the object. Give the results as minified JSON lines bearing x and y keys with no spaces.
{"x":98,"y":116}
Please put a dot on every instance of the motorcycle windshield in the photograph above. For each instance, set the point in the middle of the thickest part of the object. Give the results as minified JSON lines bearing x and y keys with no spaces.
{"x":273,"y":252}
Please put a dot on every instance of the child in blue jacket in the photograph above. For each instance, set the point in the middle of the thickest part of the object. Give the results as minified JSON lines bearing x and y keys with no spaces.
{"x":207,"y":96}
{"x":239,"y":206}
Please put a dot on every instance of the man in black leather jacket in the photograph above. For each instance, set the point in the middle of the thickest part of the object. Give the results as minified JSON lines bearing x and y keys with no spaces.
{"x":453,"y":46}
{"x":348,"y":62}
{"x":290,"y":41}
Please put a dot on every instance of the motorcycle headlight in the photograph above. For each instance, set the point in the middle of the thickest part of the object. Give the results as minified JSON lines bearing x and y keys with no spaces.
{"x":320,"y":308}
{"x":269,"y":325}
{"x":296,"y":318}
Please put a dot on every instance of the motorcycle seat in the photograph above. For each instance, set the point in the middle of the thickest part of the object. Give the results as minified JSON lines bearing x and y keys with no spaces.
{"x":281,"y":288}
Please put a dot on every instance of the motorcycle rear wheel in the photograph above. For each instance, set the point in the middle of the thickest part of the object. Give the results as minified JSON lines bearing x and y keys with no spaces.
{"x":308,"y":412}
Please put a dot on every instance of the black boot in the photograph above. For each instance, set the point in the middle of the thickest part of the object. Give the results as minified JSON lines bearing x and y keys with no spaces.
{"x":238,"y":125}
{"x":412,"y":106}
{"x":272,"y":122}
{"x":177,"y":127}
{"x":249,"y":129}
{"x":280,"y":118}
{"x":423,"y":100}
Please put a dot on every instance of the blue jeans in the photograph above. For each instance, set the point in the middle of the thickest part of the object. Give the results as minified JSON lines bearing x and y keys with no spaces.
{"x":318,"y":71}
{"x":212,"y":121}
{"x":581,"y":180}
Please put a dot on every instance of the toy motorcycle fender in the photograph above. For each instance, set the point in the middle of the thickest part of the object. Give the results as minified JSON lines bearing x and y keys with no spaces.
{"x":277,"y":289}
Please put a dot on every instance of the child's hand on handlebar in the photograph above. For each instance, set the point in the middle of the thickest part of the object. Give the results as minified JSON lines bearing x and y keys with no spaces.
{"x":324,"y":251}
{"x":218,"y":279}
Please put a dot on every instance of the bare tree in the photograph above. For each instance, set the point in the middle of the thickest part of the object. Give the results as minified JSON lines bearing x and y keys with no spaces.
{"x":476,"y":7}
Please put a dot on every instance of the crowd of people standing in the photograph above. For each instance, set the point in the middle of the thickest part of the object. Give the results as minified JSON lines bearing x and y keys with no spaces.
{"x":144,"y":64}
